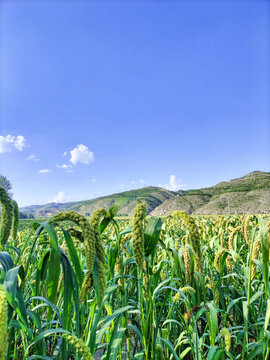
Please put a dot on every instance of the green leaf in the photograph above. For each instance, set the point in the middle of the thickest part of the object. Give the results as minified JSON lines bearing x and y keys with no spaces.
{"x":118,"y":312}
{"x":267,"y":315}
{"x":214,"y":353}
{"x":46,"y":333}
{"x":263,"y":233}
{"x":115,"y":341}
{"x":47,"y":303}
{"x":6,"y":261}
{"x":152,"y":234}
{"x":212,"y":322}
{"x":169,"y":346}
{"x":53,"y":275}
{"x":73,"y":256}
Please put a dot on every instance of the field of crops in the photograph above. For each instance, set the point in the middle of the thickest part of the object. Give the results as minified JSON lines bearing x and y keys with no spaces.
{"x":180,"y":287}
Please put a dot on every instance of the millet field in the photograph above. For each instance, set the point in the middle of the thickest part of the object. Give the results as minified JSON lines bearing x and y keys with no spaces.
{"x":100,"y":287}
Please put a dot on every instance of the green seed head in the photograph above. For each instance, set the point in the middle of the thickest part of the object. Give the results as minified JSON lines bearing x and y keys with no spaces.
{"x":195,"y":238}
{"x":92,"y":244}
{"x":88,"y":233}
{"x":254,"y":256}
{"x":80,"y":346}
{"x":15,"y":221}
{"x":102,"y":267}
{"x":246,"y":223}
{"x":86,"y":286}
{"x":6,"y":215}
{"x":231,"y":237}
{"x":100,"y":254}
{"x":3,"y":323}
{"x":186,"y":256}
{"x":95,"y":218}
{"x":137,"y":233}
{"x":217,"y":260}
{"x":227,"y":338}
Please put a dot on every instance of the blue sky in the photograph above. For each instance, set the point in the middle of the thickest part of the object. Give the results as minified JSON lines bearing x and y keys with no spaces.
{"x":134,"y":93}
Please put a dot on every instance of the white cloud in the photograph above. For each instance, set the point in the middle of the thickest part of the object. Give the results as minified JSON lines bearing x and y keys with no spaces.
{"x":32,"y":158}
{"x":174,"y":184}
{"x":65,"y":153}
{"x":94,"y":180}
{"x":81,"y":154}
{"x":9,"y":143}
{"x":61,"y":197}
{"x":67,"y":167}
{"x":64,"y":166}
{"x":44,"y":171}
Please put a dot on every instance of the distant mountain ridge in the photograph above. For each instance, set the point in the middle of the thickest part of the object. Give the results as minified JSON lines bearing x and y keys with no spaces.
{"x":247,"y":194}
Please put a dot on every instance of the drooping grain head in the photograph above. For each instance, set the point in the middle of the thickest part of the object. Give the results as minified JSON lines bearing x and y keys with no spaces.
{"x":15,"y":221}
{"x":6,"y":215}
{"x":137,"y":233}
{"x":217,"y":260}
{"x":95,"y":218}
{"x":246,"y":228}
{"x":255,"y":253}
{"x":86,"y":286}
{"x":227,"y":338}
{"x":93,"y":247}
{"x":87,"y":233}
{"x":80,"y":346}
{"x":3,"y":323}
{"x":187,"y":264}
{"x":102,"y":267}
{"x":185,"y":290}
{"x":231,"y":238}
{"x":195,"y":238}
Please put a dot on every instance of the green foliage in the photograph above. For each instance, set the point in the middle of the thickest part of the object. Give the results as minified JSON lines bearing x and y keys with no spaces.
{"x":15,"y":220}
{"x":6,"y":215}
{"x":155,"y":312}
{"x":6,"y":184}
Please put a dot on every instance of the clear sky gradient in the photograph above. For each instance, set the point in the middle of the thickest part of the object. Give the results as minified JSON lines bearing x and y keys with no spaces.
{"x":149,"y":88}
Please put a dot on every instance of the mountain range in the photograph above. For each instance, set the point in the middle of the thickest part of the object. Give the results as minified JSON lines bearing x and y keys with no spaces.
{"x":247,"y":194}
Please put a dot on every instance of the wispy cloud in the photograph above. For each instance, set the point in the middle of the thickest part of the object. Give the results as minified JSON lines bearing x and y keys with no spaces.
{"x":94,"y":180}
{"x":65,"y":153}
{"x":44,"y":171}
{"x":61,"y":197}
{"x":9,"y":143}
{"x":32,"y":158}
{"x":133,"y":184}
{"x":174,"y":183}
{"x":81,"y":154}
{"x":64,"y":166}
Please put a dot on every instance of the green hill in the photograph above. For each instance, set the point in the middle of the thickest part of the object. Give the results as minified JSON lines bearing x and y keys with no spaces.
{"x":248,"y":194}
{"x":152,"y":196}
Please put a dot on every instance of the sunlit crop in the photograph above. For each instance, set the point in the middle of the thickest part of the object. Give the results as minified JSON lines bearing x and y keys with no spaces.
{"x":177,"y":287}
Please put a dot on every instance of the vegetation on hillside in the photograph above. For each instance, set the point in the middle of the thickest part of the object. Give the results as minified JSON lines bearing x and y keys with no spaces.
{"x":248,"y":194}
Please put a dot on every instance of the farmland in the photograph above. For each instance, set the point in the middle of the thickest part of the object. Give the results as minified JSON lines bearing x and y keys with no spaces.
{"x":102,"y":287}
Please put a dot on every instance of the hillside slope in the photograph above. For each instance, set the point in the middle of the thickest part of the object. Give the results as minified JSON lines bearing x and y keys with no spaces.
{"x":248,"y":194}
{"x":152,"y":196}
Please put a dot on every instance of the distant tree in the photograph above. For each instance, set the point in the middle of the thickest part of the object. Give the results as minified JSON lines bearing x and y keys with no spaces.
{"x":22,"y":215}
{"x":31,"y":216}
{"x":6,"y":184}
